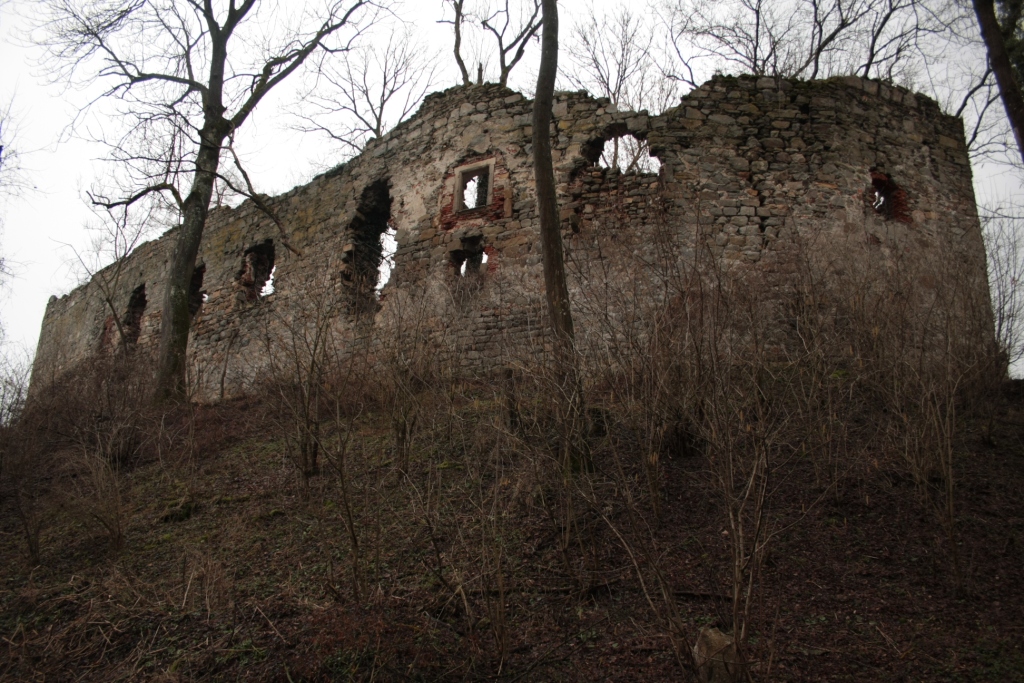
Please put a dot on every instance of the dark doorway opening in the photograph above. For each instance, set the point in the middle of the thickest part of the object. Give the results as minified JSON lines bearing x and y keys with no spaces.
{"x":132,"y":321}
{"x":366,"y":254}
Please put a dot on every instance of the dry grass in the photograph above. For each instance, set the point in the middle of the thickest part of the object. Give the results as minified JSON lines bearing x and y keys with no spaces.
{"x":803,"y":466}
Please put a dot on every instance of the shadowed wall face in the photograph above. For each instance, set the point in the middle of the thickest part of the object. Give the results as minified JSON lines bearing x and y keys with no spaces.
{"x":758,"y":173}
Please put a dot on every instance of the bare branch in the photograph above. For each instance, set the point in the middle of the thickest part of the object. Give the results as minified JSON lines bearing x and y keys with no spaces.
{"x":457,"y":23}
{"x":256,"y":198}
{"x":369,"y":91}
{"x":511,"y":36}
{"x":106,"y":203}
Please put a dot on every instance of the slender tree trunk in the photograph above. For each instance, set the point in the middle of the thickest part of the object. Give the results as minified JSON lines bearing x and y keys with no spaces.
{"x":999,"y":59}
{"x":458,"y":41}
{"x":176,"y":320}
{"x":547,"y":204}
{"x":570,"y":400}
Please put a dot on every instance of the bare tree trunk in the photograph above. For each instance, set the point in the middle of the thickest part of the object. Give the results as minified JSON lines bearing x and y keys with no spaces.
{"x":175,"y":319}
{"x":457,"y":5}
{"x":217,"y":126}
{"x":547,"y":204}
{"x":999,"y":60}
{"x":570,"y":400}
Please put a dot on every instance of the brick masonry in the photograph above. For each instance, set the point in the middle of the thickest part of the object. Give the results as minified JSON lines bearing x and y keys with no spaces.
{"x":753,"y":169}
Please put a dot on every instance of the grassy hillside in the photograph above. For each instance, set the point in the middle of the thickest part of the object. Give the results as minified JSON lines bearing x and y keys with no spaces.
{"x":470,"y":561}
{"x":827,"y":468}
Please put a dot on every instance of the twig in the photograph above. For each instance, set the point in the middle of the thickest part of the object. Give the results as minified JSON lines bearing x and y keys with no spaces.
{"x":285,"y":640}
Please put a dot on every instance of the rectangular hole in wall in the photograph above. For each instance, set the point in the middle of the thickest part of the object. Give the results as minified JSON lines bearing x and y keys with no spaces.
{"x":473,"y":186}
{"x":468,"y":260}
{"x":257,"y":269}
{"x":368,"y":256}
{"x":474,"y":189}
{"x":132,"y":321}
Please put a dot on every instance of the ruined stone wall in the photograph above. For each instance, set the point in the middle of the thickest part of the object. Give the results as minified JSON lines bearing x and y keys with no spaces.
{"x":757,"y":172}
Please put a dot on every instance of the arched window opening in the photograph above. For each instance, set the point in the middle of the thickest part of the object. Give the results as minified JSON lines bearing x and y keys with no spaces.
{"x":132,"y":321}
{"x":257,"y":268}
{"x":366,"y":256}
{"x":622,"y":151}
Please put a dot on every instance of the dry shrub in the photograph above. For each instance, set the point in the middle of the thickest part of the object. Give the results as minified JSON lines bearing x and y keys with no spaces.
{"x":204,"y":583}
{"x":810,"y":366}
{"x":800,"y":361}
{"x":68,"y":447}
{"x":23,"y":469}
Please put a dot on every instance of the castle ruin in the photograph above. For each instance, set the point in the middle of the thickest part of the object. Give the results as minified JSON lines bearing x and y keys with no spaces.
{"x":752,"y":170}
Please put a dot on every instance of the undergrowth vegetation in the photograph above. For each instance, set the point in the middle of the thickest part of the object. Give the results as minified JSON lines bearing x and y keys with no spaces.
{"x":776,"y":456}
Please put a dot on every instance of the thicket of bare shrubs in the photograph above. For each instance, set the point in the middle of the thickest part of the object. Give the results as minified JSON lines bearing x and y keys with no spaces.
{"x":833,"y":370}
{"x":842,"y":369}
{"x":65,"y":452}
{"x":840,"y":366}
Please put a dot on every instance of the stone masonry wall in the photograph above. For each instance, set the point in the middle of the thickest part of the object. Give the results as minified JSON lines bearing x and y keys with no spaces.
{"x":757,"y":171}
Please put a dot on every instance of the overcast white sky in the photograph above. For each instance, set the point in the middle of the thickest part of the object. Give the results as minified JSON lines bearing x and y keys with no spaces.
{"x":41,"y":227}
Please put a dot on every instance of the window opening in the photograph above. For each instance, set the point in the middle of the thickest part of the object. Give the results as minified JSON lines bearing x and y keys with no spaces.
{"x":624,"y":152}
{"x":889,"y":200}
{"x":389,"y":245}
{"x":470,"y":257}
{"x":196,"y":296}
{"x":257,"y":267}
{"x":465,"y":263}
{"x":132,"y":321}
{"x":474,"y":189}
{"x":368,"y":256}
{"x":268,"y":287}
{"x":473,"y":186}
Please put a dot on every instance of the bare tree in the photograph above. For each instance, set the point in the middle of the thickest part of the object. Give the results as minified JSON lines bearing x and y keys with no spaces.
{"x":458,"y":7}
{"x":11,"y":180}
{"x":609,"y":56}
{"x":994,"y":37}
{"x":512,"y":33}
{"x":890,"y":33}
{"x":607,"y":53}
{"x":795,"y":38}
{"x":184,"y":87}
{"x":369,"y":90}
{"x":570,"y":400}
{"x":118,"y":233}
{"x":547,"y":202}
{"x":510,"y":23}
{"x":1004,"y":245}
